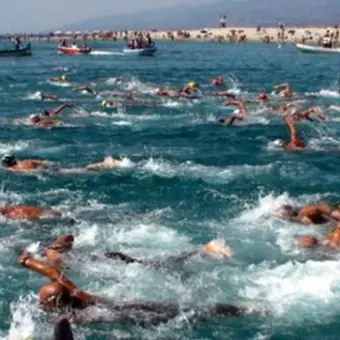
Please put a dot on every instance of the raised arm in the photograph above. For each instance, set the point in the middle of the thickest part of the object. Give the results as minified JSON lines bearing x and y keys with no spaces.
{"x":295,"y":140}
{"x":60,"y":108}
{"x":55,"y":275}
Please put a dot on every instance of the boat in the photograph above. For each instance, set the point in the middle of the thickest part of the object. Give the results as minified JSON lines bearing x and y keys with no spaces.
{"x":21,"y":52}
{"x":69,"y":50}
{"x":145,"y":52}
{"x":316,"y":49}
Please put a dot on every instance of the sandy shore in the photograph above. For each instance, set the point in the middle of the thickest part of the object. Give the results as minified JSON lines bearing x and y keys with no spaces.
{"x":293,"y":34}
{"x":251,"y":34}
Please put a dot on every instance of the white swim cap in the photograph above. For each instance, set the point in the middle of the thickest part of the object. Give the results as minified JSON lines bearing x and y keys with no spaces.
{"x":278,"y":142}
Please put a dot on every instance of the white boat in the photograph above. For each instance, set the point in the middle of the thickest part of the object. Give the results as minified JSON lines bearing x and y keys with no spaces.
{"x":316,"y":49}
{"x":147,"y":51}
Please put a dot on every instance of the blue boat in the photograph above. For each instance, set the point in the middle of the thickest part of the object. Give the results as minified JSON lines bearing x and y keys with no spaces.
{"x":145,"y":52}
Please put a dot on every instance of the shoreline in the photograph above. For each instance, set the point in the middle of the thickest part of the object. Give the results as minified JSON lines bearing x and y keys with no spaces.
{"x":241,"y":34}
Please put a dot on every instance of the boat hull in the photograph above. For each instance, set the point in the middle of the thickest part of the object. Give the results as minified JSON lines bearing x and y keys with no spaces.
{"x":23,"y":52}
{"x":73,"y":51}
{"x":144,"y":52}
{"x":316,"y":49}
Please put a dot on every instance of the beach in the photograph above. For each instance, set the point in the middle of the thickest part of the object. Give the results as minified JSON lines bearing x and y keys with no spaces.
{"x":289,"y":34}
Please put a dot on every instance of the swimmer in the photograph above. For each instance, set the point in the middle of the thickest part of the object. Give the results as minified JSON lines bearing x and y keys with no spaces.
{"x":108,"y":163}
{"x":263,"y":98}
{"x":224,"y":94}
{"x":61,"y":293}
{"x":45,"y":96}
{"x":217,"y":81}
{"x":9,"y":162}
{"x":86,"y":89}
{"x":190,"y":89}
{"x":26,"y":212}
{"x":61,"y":79}
{"x":41,"y":122}
{"x":55,"y":253}
{"x":241,"y":113}
{"x":167,"y":92}
{"x":310,"y":213}
{"x":283,"y":90}
{"x":109,"y":104}
{"x":331,"y":242}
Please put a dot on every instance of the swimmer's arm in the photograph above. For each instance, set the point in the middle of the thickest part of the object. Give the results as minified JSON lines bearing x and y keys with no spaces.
{"x":60,"y":108}
{"x":54,"y":274}
{"x":294,"y":135}
{"x":95,"y":166}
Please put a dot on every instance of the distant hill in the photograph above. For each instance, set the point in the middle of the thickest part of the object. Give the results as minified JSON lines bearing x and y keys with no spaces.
{"x":239,"y":12}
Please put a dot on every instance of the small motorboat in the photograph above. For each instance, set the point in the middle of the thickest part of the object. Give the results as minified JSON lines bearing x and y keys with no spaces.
{"x":21,"y":52}
{"x":316,"y":49}
{"x":71,"y":50}
{"x":145,"y":52}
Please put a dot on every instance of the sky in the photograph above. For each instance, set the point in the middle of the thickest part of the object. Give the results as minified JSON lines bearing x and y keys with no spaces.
{"x":41,"y":15}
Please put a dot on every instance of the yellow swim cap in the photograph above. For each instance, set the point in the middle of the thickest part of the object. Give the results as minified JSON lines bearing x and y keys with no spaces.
{"x":193,"y":85}
{"x":103,"y":103}
{"x":63,"y":77}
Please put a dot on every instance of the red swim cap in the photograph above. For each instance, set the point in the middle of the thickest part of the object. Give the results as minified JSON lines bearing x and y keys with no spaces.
{"x":263,"y":96}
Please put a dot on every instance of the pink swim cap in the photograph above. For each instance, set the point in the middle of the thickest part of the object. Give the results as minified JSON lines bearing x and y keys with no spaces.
{"x":263,"y":96}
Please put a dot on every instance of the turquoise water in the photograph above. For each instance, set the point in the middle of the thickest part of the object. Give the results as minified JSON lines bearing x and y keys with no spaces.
{"x":186,"y":181}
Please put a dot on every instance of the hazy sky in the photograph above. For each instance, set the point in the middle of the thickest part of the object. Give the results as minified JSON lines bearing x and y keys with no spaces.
{"x":36,"y":15}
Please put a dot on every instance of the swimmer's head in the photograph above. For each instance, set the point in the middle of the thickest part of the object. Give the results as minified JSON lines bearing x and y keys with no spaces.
{"x":193,"y":85}
{"x":45,"y":113}
{"x":287,"y":211}
{"x":307,"y":241}
{"x":63,"y":77}
{"x":221,"y":121}
{"x":8,"y":161}
{"x":279,"y":143}
{"x":263,"y":96}
{"x":35,"y":118}
{"x":103,"y":103}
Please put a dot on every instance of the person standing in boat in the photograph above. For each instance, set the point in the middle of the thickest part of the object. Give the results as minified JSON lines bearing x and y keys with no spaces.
{"x":17,"y":43}
{"x":149,"y":40}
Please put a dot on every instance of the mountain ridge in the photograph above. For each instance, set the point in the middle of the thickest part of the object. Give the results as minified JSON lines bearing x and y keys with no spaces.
{"x":239,"y":13}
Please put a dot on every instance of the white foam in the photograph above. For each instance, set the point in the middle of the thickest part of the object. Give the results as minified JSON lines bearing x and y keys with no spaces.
{"x":22,"y":325}
{"x":106,"y":53}
{"x":13,"y":147}
{"x":35,"y":96}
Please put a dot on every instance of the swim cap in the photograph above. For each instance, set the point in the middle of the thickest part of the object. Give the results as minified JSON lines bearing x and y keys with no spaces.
{"x":8,"y":160}
{"x":278,"y":142}
{"x":193,"y":85}
{"x":63,"y":77}
{"x":262,"y":96}
{"x":34,"y":118}
{"x":103,"y":103}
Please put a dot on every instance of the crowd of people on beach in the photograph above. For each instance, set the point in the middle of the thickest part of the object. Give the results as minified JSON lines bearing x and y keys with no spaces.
{"x":61,"y":294}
